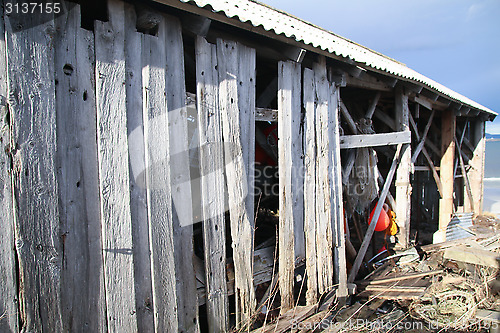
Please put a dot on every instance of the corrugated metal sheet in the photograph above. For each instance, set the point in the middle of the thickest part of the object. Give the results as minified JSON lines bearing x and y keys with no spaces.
{"x":458,"y":226}
{"x":280,"y":22}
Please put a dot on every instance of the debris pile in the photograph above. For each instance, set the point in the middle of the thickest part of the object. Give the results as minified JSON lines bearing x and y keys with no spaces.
{"x":452,"y":286}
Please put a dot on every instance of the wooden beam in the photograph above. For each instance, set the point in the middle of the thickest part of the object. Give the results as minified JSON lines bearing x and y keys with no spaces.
{"x":476,"y":172}
{"x":367,"y":82}
{"x":230,"y":55}
{"x":465,"y":176}
{"x":373,"y":105}
{"x":291,"y":222}
{"x":403,"y":186}
{"x":428,"y":158}
{"x":310,"y":186}
{"x":378,"y":209}
{"x":263,"y":114}
{"x":425,"y":102}
{"x":374,"y":140}
{"x":212,"y":186}
{"x":422,"y":139}
{"x":348,"y":118}
{"x":385,"y":118}
{"x":324,"y":233}
{"x":448,"y":125}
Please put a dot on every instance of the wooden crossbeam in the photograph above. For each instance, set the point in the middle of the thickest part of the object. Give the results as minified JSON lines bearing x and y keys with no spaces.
{"x":464,"y":174}
{"x":422,"y":140}
{"x":374,"y":140}
{"x":373,"y":105}
{"x":428,"y":158}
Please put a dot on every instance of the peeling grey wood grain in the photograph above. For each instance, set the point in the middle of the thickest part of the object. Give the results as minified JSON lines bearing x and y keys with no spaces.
{"x":187,"y":303}
{"x":310,"y":186}
{"x":138,"y":197}
{"x":114,"y":171}
{"x":228,"y":55}
{"x":33,"y":114}
{"x":324,"y":232}
{"x":8,"y":276}
{"x":212,"y":185}
{"x":159,"y":193}
{"x":83,"y":302}
{"x":291,"y":205}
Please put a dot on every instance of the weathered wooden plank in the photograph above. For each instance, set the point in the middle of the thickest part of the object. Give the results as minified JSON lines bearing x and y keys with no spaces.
{"x":374,"y":140}
{"x":403,"y":186}
{"x":310,"y":186}
{"x":348,"y":118}
{"x":212,"y":185}
{"x":241,"y":225}
{"x":324,"y":236}
{"x":448,"y":124}
{"x":159,"y":192}
{"x":78,"y":176}
{"x":338,"y":204}
{"x":8,"y":276}
{"x":246,"y":104}
{"x":180,"y":177}
{"x":476,"y":172}
{"x":290,"y":164}
{"x":138,"y":196}
{"x":87,"y":122}
{"x":371,"y":228}
{"x":31,"y":84}
{"x":114,"y":171}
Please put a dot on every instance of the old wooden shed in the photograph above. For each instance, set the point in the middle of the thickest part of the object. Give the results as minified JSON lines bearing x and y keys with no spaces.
{"x":163,"y":159}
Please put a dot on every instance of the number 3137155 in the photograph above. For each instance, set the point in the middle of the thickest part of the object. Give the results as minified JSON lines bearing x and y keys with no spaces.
{"x":32,"y":8}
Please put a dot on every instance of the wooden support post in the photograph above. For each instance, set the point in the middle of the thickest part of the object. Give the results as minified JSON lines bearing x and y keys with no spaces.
{"x":310,"y":187}
{"x":212,"y":186}
{"x":476,"y":171}
{"x":8,"y":276}
{"x":373,"y":105}
{"x":422,"y":139}
{"x":114,"y":179}
{"x":448,"y":125}
{"x":378,"y":209}
{"x":229,"y":57}
{"x":403,"y":186}
{"x":291,"y":205}
{"x":324,"y":235}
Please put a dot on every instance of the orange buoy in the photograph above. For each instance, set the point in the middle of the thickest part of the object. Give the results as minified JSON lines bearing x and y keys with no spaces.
{"x":383,"y":220}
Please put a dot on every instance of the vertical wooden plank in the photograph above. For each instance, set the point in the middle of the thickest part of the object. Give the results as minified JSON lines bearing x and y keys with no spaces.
{"x":246,"y":100}
{"x":310,"y":186}
{"x":33,"y":113}
{"x":159,"y":197}
{"x":8,"y":276}
{"x":138,"y":196}
{"x":403,"y":186}
{"x":448,"y":128}
{"x":228,"y":55}
{"x":324,"y":236}
{"x":114,"y":171}
{"x":212,"y":185}
{"x":476,"y":172}
{"x":187,"y":301}
{"x":290,"y":161}
{"x":87,"y":127}
{"x":338,"y":204}
{"x":77,"y":175}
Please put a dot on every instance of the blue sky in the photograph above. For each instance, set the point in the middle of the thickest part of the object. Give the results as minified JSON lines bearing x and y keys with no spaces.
{"x":454,"y":42}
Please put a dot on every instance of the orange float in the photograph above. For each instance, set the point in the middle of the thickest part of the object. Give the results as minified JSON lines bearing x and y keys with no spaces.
{"x":383,"y":220}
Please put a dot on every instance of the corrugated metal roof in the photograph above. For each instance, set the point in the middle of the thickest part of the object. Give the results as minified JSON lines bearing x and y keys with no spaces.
{"x":279,"y":22}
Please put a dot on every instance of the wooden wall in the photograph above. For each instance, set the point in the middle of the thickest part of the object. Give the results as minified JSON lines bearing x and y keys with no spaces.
{"x":97,"y":203}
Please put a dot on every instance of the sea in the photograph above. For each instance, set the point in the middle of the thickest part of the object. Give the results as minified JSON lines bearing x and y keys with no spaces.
{"x":491,"y":197}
